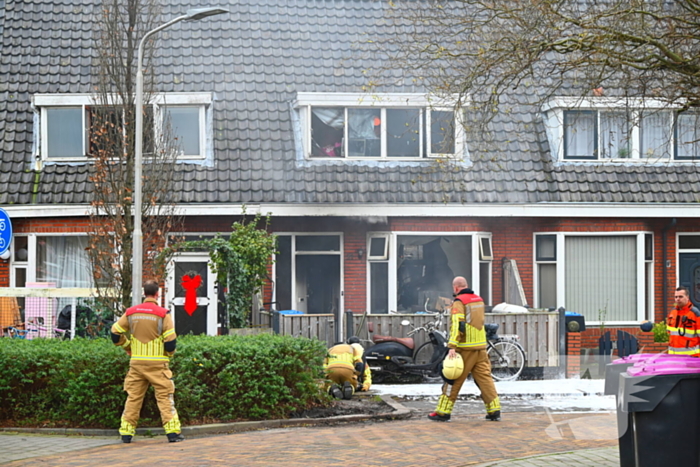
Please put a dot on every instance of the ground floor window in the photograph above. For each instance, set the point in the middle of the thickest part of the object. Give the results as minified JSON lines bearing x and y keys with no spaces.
{"x":58,"y":259}
{"x":607,"y":278}
{"x":414,"y":272}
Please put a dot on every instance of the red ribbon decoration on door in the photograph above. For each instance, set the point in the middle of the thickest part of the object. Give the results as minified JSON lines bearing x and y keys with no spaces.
{"x":191,"y":284}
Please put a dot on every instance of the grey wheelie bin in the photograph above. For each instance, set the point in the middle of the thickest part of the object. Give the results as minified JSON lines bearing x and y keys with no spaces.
{"x":658,"y":419}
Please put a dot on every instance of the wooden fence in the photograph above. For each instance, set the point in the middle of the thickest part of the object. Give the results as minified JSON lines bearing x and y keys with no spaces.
{"x":537,"y":331}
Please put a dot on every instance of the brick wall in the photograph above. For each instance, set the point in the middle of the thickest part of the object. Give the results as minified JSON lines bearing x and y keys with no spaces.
{"x":573,"y":354}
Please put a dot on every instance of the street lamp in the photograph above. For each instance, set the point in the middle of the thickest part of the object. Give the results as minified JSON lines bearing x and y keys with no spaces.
{"x":137,"y":269}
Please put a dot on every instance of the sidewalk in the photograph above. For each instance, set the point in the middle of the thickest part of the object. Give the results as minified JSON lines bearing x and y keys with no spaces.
{"x":606,"y":457}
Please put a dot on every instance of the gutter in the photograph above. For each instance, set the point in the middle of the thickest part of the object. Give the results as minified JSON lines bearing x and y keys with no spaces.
{"x":664,"y":234}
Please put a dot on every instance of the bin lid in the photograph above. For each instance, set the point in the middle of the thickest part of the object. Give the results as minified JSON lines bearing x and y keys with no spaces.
{"x":290,"y":312}
{"x":652,"y":357}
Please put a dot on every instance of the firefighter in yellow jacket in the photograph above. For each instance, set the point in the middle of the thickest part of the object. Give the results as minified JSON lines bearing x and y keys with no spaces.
{"x":146,"y":332}
{"x":468,"y":339}
{"x":343,"y":365}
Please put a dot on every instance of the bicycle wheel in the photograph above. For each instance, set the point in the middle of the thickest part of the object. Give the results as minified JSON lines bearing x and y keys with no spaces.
{"x":424,"y":354}
{"x":507,"y":360}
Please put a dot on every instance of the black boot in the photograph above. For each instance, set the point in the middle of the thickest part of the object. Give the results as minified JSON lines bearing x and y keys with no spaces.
{"x":494,"y":416}
{"x":175,"y":437}
{"x":126,"y":439}
{"x":347,"y":390}
{"x":336,"y":392}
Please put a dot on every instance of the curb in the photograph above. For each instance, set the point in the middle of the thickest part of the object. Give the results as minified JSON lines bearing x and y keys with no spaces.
{"x":399,"y":412}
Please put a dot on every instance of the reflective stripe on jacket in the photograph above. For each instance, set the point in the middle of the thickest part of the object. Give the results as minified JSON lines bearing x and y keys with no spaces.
{"x":342,"y":356}
{"x":467,"y":308}
{"x":683,"y":326}
{"x":149,"y":327}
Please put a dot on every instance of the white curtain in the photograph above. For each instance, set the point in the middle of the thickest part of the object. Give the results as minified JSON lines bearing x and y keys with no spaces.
{"x":601,"y":277}
{"x":333,"y":117}
{"x":614,"y":136}
{"x":580,"y":134}
{"x":656,"y":130}
{"x":688,"y":134}
{"x":63,"y":260}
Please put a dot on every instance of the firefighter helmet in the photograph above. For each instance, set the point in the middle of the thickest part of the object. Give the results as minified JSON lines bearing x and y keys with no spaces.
{"x":452,"y":367}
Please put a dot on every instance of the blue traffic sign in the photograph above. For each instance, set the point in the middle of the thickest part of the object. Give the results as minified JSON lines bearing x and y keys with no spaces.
{"x":5,"y":231}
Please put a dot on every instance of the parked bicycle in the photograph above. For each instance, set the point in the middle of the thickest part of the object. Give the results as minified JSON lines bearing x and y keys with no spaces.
{"x":506,"y":354}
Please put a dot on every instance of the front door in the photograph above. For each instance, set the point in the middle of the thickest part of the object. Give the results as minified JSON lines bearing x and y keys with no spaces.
{"x":690,"y":275}
{"x":195,"y":313}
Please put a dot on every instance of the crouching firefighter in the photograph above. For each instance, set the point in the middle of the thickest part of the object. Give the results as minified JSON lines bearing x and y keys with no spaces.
{"x":343,"y":365}
{"x":147,"y":334}
{"x":468,"y":340}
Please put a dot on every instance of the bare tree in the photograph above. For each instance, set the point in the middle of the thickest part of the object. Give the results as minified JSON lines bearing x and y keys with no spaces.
{"x":483,"y":48}
{"x":112,"y":131}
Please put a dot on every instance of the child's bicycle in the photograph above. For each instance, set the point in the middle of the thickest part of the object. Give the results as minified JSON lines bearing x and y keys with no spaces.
{"x":36,"y":330}
{"x":506,"y":354}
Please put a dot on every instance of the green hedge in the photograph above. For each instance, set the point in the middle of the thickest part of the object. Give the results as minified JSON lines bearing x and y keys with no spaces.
{"x":79,"y":383}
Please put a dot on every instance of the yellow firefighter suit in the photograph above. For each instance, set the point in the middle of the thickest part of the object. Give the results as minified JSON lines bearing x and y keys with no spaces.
{"x":146,"y":332}
{"x":468,"y":309}
{"x":341,"y":366}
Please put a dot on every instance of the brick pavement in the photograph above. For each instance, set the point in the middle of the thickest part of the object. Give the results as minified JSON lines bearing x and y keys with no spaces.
{"x":466,"y":441}
{"x":606,"y":457}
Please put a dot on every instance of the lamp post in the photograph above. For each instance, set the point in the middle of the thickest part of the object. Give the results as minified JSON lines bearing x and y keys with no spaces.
{"x":137,"y":267}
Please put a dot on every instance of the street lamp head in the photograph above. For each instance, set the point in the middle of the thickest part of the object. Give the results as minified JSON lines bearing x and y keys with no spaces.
{"x":199,"y":13}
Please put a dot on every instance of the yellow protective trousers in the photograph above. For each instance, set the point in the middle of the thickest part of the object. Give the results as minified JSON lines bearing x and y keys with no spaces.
{"x":140,"y":376}
{"x":477,"y":363}
{"x":340,"y":374}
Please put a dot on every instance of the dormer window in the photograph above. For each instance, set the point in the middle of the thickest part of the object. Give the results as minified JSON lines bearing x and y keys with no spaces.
{"x":604,"y":129}
{"x":381,"y":127}
{"x":69,"y":132}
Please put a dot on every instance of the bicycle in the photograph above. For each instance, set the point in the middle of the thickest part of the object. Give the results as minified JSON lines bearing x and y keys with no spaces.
{"x":506,"y":354}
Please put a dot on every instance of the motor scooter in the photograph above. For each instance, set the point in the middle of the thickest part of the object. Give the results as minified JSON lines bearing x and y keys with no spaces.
{"x":397,"y":359}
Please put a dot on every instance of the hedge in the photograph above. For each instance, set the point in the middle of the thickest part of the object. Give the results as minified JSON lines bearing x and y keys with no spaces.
{"x":79,"y":383}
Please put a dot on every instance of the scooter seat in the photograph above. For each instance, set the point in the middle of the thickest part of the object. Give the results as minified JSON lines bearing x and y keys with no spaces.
{"x":407,"y":341}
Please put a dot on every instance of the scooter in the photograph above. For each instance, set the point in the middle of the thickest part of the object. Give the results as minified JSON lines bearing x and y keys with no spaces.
{"x":397,"y":359}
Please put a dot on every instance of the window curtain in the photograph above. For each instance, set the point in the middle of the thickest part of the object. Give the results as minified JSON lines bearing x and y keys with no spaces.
{"x":580,"y":134}
{"x":361,"y":123}
{"x":688,"y":135}
{"x":63,"y":260}
{"x":614,"y":135}
{"x":601,"y":277}
{"x":333,"y":117}
{"x":656,"y":127}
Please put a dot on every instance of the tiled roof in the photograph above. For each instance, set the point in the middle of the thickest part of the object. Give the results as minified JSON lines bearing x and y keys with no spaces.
{"x":254,"y":61}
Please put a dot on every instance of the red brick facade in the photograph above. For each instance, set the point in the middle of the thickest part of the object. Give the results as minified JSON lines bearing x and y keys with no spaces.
{"x":511,"y":238}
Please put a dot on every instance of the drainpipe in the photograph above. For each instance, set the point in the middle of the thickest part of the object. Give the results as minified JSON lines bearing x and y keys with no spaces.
{"x":664,"y":233}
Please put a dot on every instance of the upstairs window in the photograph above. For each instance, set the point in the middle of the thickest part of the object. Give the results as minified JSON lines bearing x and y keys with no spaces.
{"x":72,"y":125}
{"x":594,"y":130}
{"x":379,"y":127}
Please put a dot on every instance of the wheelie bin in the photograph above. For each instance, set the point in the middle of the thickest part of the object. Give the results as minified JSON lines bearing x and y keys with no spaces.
{"x":658,"y":413}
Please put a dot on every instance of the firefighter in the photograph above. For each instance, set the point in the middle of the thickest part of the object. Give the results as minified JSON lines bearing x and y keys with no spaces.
{"x":683,"y":326}
{"x":468,"y":340}
{"x":343,"y":365}
{"x":147,"y":334}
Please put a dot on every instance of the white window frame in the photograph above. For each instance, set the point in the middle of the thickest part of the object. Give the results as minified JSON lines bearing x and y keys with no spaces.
{"x":641,"y":265}
{"x":475,"y":283}
{"x":30,"y":264}
{"x":425,"y":103}
{"x":293,"y":265}
{"x":42,"y":102}
{"x":384,"y":256}
{"x":554,"y":118}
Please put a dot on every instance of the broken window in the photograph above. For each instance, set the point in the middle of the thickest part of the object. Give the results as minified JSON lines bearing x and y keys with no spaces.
{"x":425,"y":268}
